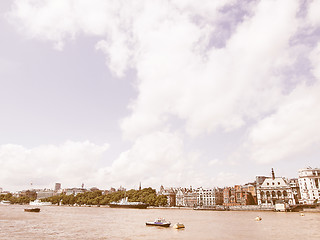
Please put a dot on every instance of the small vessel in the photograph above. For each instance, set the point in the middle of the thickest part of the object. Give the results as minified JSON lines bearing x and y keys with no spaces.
{"x":125,"y":204}
{"x":32,"y":209}
{"x":4,"y":202}
{"x":178,"y":226}
{"x":37,"y":202}
{"x":161,"y":222}
{"x":258,"y":218}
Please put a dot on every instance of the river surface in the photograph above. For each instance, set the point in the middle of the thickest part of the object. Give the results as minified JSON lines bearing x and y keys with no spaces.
{"x":59,"y":222}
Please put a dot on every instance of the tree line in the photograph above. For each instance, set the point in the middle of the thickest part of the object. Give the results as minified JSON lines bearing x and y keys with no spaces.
{"x":16,"y":200}
{"x":146,"y":195}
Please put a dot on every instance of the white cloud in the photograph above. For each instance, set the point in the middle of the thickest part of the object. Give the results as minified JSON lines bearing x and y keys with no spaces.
{"x":214,"y":162}
{"x":313,"y":13}
{"x":154,"y":159}
{"x":291,"y":130}
{"x":71,"y":163}
{"x":168,"y":43}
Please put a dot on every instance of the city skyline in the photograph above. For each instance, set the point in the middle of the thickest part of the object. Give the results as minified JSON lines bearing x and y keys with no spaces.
{"x":109,"y":93}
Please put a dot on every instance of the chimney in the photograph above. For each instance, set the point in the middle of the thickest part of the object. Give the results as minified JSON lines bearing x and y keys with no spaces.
{"x":272,"y":174}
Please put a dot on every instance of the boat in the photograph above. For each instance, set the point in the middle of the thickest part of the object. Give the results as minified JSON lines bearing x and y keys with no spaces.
{"x":4,"y":202}
{"x":125,"y":204}
{"x":37,"y":202}
{"x":178,"y":226}
{"x":161,"y":222}
{"x":32,"y":209}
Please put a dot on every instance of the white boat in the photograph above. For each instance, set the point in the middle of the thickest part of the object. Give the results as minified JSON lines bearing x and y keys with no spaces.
{"x":161,"y":222}
{"x":37,"y":202}
{"x":125,"y":204}
{"x":3,"y":202}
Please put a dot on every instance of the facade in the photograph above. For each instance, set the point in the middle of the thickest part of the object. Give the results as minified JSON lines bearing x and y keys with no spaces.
{"x":57,"y":187}
{"x":170,"y":194}
{"x":180,"y":197}
{"x":309,"y":185}
{"x":190,"y":198}
{"x":45,"y":193}
{"x":294,"y":184}
{"x":275,"y":189}
{"x":238,"y":195}
{"x":74,"y":191}
{"x":209,"y":197}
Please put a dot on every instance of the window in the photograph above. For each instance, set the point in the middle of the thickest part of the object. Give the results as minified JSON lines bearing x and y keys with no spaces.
{"x":278,"y":183}
{"x":267,"y":183}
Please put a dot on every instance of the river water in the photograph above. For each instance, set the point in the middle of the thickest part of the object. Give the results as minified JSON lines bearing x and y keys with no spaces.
{"x":59,"y":222}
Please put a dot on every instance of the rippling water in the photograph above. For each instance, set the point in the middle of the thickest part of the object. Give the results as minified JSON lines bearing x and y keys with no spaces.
{"x":55,"y":222}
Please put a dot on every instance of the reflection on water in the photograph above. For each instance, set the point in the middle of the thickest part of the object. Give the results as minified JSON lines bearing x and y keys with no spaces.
{"x":55,"y":222}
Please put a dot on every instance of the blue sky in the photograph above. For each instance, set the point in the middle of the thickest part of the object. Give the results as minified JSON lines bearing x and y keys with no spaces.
{"x":173,"y":93}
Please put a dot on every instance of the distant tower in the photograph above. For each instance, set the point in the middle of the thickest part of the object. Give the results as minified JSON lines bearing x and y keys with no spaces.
{"x":57,"y":186}
{"x":82,"y":186}
{"x":272,"y":174}
{"x":140,"y":186}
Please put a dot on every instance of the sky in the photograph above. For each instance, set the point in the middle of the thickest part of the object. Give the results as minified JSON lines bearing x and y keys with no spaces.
{"x":176,"y":93}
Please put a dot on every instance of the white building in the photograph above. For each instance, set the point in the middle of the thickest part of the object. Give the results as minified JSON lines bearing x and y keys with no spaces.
{"x":180,"y":197}
{"x":275,"y":189}
{"x":309,"y":184}
{"x":209,"y":197}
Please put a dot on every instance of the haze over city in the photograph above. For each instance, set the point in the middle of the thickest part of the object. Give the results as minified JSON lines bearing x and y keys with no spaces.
{"x":173,"y":93}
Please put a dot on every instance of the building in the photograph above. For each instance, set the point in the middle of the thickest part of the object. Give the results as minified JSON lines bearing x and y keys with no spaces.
{"x":45,"y":193}
{"x":190,"y":198}
{"x":57,"y":187}
{"x":180,"y":197}
{"x":294,"y":184}
{"x":170,"y":194}
{"x":209,"y":197}
{"x":275,"y":189}
{"x":73,"y":191}
{"x":309,"y":185}
{"x":238,"y":195}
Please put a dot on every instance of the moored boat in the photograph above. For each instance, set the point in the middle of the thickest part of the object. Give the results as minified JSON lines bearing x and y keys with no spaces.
{"x":125,"y":204}
{"x":4,"y":202}
{"x":32,"y":209}
{"x":161,"y":222}
{"x":37,"y":202}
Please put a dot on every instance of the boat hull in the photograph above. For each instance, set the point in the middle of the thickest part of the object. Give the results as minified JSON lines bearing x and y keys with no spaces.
{"x":138,"y":206}
{"x":158,"y":224}
{"x":32,"y":209}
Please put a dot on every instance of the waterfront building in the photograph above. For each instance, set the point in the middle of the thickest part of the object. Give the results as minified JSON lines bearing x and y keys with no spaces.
{"x":309,"y":184}
{"x":209,"y":197}
{"x":180,"y":197}
{"x":294,"y":184}
{"x":45,"y":193}
{"x":57,"y":187}
{"x":251,"y":189}
{"x":170,"y":194}
{"x":190,"y":198}
{"x":275,"y":189}
{"x":238,"y":195}
{"x":73,"y":191}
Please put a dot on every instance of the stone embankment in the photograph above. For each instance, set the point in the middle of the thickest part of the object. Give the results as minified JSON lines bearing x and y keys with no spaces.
{"x":237,"y":208}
